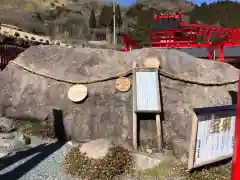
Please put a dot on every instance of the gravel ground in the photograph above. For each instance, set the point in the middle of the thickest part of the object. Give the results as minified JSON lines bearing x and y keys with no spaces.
{"x":39,"y":162}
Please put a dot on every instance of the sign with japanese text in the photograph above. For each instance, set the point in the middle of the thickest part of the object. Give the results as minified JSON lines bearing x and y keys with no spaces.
{"x":214,"y":136}
{"x":147,"y":93}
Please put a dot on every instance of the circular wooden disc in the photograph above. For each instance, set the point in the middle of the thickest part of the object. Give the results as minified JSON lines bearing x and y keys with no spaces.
{"x":123,"y":84}
{"x":152,"y":63}
{"x":77,"y":93}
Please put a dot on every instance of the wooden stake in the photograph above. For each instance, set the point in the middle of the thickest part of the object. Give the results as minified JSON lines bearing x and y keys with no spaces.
{"x":159,"y":132}
{"x":135,"y":146}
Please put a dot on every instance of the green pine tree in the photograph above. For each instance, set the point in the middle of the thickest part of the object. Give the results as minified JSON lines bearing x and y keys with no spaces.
{"x":92,"y":20}
{"x":118,"y":16}
{"x":105,"y":18}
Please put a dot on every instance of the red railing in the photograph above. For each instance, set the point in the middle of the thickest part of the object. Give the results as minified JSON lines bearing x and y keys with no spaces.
{"x":172,"y":32}
{"x":8,"y":53}
{"x":129,"y":43}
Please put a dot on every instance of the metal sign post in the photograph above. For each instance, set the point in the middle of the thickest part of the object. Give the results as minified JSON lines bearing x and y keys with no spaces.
{"x":114,"y":22}
{"x":236,"y":150}
{"x":146,"y":99}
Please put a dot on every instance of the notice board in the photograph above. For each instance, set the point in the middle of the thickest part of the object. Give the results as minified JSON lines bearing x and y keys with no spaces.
{"x":146,"y":91}
{"x":146,"y":99}
{"x":212,"y":136}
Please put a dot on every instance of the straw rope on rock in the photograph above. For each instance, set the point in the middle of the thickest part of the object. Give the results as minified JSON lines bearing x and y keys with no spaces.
{"x":120,"y":77}
{"x":38,"y":81}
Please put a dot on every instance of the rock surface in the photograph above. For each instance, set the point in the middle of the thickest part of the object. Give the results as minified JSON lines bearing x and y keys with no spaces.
{"x":144,"y":162}
{"x":11,"y":142}
{"x":107,"y":112}
{"x":6,"y":125}
{"x":96,"y":149}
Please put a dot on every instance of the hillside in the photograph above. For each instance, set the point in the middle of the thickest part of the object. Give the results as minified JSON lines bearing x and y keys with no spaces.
{"x":70,"y":18}
{"x":37,"y":16}
{"x":171,"y":5}
{"x":226,"y":13}
{"x":36,"y":4}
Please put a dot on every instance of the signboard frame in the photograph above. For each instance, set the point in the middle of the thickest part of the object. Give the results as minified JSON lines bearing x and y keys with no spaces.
{"x":193,"y":141}
{"x":235,"y":175}
{"x":157,"y":111}
{"x":135,"y":90}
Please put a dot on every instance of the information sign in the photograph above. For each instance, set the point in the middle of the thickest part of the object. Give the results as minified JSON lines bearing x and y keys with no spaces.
{"x":147,"y":91}
{"x":146,"y":99}
{"x":212,"y":136}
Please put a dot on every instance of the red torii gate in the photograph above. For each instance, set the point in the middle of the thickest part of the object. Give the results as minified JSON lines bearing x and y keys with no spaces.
{"x":172,"y":32}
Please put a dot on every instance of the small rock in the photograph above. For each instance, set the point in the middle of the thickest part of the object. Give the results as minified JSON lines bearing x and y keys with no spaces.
{"x":144,"y":162}
{"x":6,"y":125}
{"x":180,"y":149}
{"x":184,"y":159}
{"x":149,"y":151}
{"x":7,"y":136}
{"x":96,"y":149}
{"x":72,"y":144}
{"x":24,"y":139}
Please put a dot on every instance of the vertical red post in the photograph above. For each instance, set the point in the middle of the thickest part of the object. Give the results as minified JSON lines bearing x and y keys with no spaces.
{"x":236,"y":151}
{"x":220,"y":54}
{"x":210,"y":53}
{"x":125,"y":44}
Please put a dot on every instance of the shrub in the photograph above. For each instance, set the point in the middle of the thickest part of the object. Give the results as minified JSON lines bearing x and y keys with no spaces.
{"x":118,"y":161}
{"x":35,"y":128}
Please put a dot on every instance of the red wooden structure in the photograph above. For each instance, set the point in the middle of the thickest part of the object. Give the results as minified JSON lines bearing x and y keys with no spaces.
{"x":169,"y":31}
{"x":8,"y":53}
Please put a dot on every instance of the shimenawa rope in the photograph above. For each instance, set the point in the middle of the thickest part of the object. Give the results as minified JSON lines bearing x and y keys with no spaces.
{"x":127,"y":73}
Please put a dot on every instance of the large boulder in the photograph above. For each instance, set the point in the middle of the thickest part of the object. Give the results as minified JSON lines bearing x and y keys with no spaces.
{"x":107,"y":112}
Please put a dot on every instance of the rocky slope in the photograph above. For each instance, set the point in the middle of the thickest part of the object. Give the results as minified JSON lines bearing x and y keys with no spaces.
{"x":33,"y":16}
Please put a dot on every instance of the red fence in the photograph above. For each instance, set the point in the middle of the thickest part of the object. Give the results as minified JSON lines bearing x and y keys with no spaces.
{"x":8,"y":53}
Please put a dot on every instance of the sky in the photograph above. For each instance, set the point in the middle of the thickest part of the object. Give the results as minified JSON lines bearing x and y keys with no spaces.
{"x":129,"y":2}
{"x":126,"y":2}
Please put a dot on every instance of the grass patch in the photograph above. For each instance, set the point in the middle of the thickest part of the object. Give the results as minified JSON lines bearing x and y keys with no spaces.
{"x":170,"y":168}
{"x":117,"y":162}
{"x":211,"y":172}
{"x":36,"y":128}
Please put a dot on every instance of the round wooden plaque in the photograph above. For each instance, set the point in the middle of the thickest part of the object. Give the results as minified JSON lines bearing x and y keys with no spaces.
{"x":123,"y":84}
{"x":77,"y":93}
{"x":152,"y":63}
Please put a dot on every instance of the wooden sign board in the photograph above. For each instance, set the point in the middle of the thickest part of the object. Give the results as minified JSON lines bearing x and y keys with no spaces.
{"x":77,"y":93}
{"x":212,"y":137}
{"x":146,"y":92}
{"x":123,"y":84}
